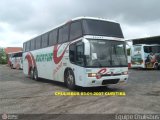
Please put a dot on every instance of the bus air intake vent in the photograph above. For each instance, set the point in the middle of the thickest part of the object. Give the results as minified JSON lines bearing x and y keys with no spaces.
{"x":110,"y":81}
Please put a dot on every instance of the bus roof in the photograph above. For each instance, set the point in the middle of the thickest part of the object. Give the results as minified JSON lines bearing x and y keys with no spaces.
{"x":145,"y":40}
{"x":146,"y":45}
{"x":74,"y":19}
{"x":93,"y":18}
{"x":80,"y":18}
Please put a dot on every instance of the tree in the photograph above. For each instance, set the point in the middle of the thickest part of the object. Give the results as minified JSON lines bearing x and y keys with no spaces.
{"x":3,"y":57}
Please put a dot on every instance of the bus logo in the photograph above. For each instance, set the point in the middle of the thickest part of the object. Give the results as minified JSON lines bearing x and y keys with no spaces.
{"x":101,"y":72}
{"x":31,"y":61}
{"x":57,"y":58}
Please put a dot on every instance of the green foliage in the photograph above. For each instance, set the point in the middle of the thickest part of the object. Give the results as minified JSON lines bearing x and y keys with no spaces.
{"x":3,"y":57}
{"x":128,"y":51}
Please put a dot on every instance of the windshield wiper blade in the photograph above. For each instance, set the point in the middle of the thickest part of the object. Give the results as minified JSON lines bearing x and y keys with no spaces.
{"x":99,"y":64}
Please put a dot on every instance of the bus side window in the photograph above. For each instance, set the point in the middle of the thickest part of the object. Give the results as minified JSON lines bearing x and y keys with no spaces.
{"x":33,"y":44}
{"x":75,"y":30}
{"x":150,"y":49}
{"x":76,"y":53}
{"x":20,"y":54}
{"x":80,"y":54}
{"x":45,"y":40}
{"x":63,"y":34}
{"x":145,"y":49}
{"x":72,"y":53}
{"x":28,"y":46}
{"x":24,"y":47}
{"x":38,"y":42}
{"x":53,"y":37}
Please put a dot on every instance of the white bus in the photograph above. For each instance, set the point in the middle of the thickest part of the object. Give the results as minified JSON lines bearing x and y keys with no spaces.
{"x":145,"y":56}
{"x":15,"y":60}
{"x":83,"y":52}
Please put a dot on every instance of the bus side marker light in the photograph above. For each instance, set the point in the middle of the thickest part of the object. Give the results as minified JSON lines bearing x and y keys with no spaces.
{"x":125,"y":73}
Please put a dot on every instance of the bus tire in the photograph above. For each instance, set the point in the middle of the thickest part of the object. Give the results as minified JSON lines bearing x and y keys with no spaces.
{"x":11,"y":66}
{"x":32,"y":74}
{"x":70,"y":79}
{"x":156,"y":66}
{"x":35,"y":74}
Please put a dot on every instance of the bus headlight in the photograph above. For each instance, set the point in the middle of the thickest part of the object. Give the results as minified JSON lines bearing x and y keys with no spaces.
{"x":125,"y":73}
{"x":92,"y":74}
{"x":97,"y":75}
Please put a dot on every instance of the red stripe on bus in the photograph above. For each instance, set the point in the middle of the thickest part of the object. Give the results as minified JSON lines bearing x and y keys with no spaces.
{"x":55,"y":51}
{"x":31,"y":61}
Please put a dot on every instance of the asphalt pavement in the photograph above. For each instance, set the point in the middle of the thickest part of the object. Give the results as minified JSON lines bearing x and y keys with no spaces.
{"x":19,"y":94}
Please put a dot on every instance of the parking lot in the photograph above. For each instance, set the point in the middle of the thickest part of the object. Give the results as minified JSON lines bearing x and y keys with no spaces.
{"x":19,"y":94}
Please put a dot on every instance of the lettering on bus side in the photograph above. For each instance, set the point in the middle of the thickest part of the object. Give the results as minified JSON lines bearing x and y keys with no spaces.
{"x":44,"y":57}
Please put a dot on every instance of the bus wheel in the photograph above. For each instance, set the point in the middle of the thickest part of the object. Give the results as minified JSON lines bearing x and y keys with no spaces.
{"x":70,"y":79}
{"x":156,"y":66}
{"x":35,"y":74}
{"x":11,"y":66}
{"x":32,"y":74}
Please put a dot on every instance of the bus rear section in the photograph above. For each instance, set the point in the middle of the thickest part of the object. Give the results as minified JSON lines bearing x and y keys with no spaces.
{"x":145,"y":56}
{"x":137,"y":57}
{"x":16,"y":60}
{"x":152,"y":56}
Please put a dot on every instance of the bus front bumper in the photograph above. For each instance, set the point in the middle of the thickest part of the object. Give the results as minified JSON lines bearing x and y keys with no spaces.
{"x":137,"y":66}
{"x":104,"y":81}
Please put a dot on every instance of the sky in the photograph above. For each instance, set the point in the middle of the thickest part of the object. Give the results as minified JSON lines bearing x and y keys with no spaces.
{"x":21,"y":20}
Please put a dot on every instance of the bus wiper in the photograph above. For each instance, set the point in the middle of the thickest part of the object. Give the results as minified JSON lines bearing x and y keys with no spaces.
{"x":99,"y":64}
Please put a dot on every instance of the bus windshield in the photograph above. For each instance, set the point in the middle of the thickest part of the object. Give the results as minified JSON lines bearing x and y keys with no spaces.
{"x":17,"y":54}
{"x":102,"y":28}
{"x":106,"y":53}
{"x":152,"y":49}
{"x":137,"y":48}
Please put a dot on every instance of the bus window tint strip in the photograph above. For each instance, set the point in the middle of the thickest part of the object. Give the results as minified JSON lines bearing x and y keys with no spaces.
{"x":102,"y":28}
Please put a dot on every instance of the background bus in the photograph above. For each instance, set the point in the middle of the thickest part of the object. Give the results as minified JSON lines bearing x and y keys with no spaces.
{"x":16,"y":60}
{"x":82,"y":52}
{"x":145,"y":56}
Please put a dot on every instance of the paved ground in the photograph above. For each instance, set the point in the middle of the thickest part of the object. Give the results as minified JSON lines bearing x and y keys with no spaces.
{"x":19,"y":94}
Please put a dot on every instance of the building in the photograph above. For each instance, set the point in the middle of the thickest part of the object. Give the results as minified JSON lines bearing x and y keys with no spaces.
{"x":10,"y":50}
{"x":145,"y":40}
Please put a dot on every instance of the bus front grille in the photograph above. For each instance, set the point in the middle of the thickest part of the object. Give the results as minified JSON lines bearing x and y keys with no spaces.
{"x":110,"y":81}
{"x":117,"y":74}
